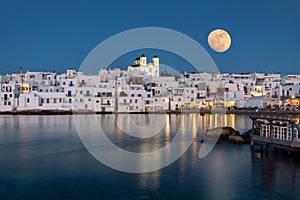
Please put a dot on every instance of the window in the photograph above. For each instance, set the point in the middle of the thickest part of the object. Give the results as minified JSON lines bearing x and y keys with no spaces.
{"x":136,"y":101}
{"x":132,"y":95}
{"x":89,"y":99}
{"x":54,"y":100}
{"x":48,"y":101}
{"x":28,"y":100}
{"x":8,"y":103}
{"x":10,"y":95}
{"x":97,"y":101}
{"x":139,"y":95}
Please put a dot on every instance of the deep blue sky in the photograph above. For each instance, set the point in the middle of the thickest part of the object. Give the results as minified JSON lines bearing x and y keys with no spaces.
{"x":47,"y":35}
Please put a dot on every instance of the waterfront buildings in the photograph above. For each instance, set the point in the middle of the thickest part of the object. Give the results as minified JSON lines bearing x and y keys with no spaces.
{"x":140,"y":88}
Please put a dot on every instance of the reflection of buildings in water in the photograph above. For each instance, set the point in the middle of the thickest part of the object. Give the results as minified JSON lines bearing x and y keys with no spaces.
{"x":32,"y":137}
{"x":141,"y":119}
{"x":151,"y":179}
{"x":239,"y":122}
{"x":154,"y":144}
{"x":191,"y":124}
{"x":168,"y":128}
{"x":270,"y":168}
{"x":218,"y":120}
{"x":229,"y":120}
{"x":267,"y":170}
{"x":182,"y":159}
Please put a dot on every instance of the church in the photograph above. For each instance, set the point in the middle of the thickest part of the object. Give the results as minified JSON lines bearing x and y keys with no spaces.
{"x":140,"y":64}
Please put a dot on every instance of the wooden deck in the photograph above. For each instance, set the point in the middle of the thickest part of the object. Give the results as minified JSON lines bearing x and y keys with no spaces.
{"x":259,"y":136}
{"x":290,"y":145}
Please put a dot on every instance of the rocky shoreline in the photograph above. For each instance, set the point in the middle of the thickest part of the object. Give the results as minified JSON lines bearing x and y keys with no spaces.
{"x":228,"y":134}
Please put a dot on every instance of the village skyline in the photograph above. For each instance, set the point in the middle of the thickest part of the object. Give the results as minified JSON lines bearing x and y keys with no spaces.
{"x":141,"y":88}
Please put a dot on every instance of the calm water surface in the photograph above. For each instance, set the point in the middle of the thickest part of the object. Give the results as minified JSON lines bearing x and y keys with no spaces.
{"x":42,"y":157}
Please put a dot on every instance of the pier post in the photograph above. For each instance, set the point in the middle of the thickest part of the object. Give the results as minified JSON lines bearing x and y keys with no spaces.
{"x":252,"y":144}
{"x":261,"y":148}
{"x":271,"y":128}
{"x":266,"y":148}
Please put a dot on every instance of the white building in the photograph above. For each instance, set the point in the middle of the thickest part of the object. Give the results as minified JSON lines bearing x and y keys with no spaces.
{"x":261,"y":102}
{"x":9,"y":94}
{"x":140,"y":64}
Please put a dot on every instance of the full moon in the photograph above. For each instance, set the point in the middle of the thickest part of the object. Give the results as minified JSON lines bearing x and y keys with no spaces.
{"x":219,"y":40}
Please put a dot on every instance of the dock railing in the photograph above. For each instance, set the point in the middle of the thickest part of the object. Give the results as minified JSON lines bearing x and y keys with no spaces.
{"x":275,"y":131}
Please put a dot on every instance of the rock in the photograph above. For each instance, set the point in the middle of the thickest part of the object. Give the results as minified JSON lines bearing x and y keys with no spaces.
{"x":237,"y":139}
{"x":247,"y":136}
{"x":225,"y":134}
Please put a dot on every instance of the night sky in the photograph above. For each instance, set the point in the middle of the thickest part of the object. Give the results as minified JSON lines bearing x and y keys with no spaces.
{"x":57,"y":35}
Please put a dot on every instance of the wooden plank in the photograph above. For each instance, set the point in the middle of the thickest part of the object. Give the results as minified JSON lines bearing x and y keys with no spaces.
{"x":283,"y":143}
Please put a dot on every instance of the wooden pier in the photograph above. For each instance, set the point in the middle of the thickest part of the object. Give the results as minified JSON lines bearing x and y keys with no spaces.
{"x":275,"y":132}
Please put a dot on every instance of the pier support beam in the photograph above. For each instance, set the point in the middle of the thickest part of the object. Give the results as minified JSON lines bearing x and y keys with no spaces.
{"x":261,"y":148}
{"x":252,"y":144}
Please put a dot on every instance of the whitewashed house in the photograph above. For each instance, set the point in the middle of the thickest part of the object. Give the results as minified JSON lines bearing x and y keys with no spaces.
{"x":261,"y":102}
{"x":9,"y":94}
